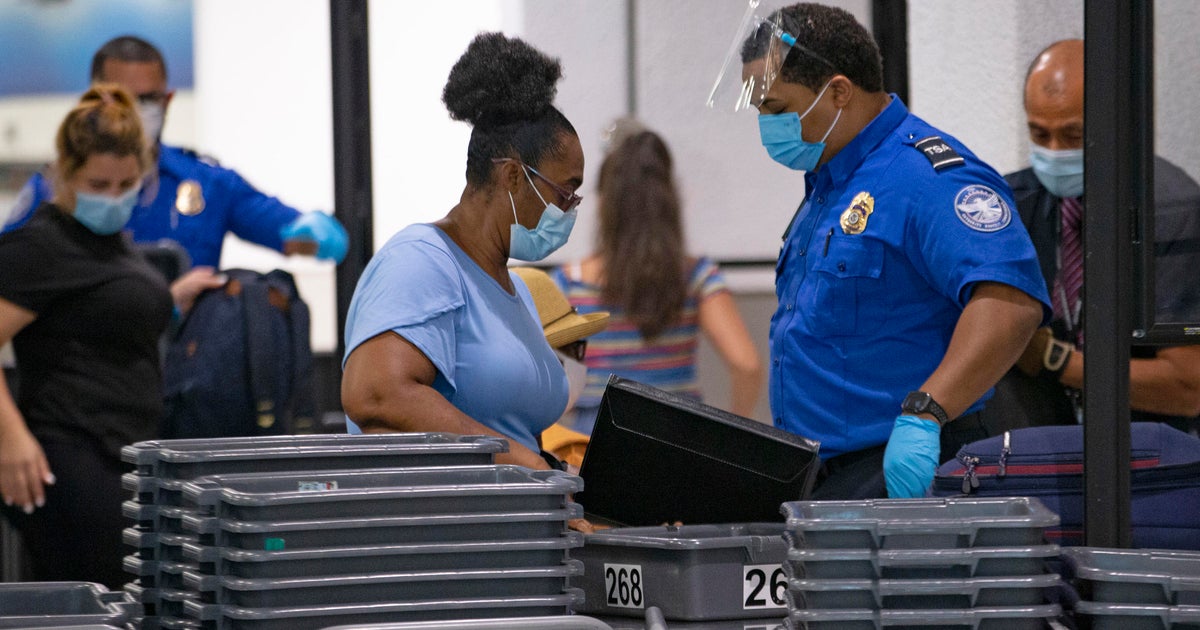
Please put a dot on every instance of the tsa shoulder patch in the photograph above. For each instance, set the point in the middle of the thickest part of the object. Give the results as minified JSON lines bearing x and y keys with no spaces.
{"x":982,"y":209}
{"x":941,"y":155}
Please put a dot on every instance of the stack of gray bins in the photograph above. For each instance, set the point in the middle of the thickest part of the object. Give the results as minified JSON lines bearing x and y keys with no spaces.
{"x":62,"y":605}
{"x":695,"y":577}
{"x":170,"y":547}
{"x":1126,"y":589}
{"x":916,"y":563}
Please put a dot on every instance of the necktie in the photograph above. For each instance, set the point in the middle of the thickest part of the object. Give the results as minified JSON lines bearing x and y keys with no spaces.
{"x":1069,"y":282}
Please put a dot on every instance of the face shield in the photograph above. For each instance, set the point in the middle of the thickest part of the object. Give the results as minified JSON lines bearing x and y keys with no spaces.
{"x":754,"y":59}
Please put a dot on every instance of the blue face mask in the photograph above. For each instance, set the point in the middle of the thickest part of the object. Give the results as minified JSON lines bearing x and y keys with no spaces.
{"x":781,"y":136}
{"x":1061,"y":172}
{"x":552,"y":231}
{"x":104,"y":215}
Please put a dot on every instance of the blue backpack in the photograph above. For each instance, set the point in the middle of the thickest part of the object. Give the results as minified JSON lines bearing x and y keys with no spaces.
{"x":240,"y":363}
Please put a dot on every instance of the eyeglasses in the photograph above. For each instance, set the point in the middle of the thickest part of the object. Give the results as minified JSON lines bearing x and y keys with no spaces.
{"x":567,"y":200}
{"x":575,"y":350}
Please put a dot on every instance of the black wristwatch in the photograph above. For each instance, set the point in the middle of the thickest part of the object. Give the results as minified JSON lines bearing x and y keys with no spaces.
{"x":922,"y":402}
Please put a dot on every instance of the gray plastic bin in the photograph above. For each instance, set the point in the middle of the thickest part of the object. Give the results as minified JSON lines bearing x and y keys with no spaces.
{"x":564,"y":622}
{"x":918,"y":594}
{"x":633,"y":623}
{"x":157,"y":573}
{"x":492,"y":554}
{"x":151,"y":545}
{"x":1138,"y":616}
{"x":940,"y":523}
{"x":47,"y":604}
{"x":380,"y":492}
{"x":1127,"y":576}
{"x":333,"y":532}
{"x":159,"y":602}
{"x":692,"y":572}
{"x":160,"y":460}
{"x":313,"y":617}
{"x":998,"y":618}
{"x":383,"y":587}
{"x":932,"y":564}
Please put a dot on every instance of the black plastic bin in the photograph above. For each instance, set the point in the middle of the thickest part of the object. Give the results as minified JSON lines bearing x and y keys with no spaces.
{"x":656,"y":457}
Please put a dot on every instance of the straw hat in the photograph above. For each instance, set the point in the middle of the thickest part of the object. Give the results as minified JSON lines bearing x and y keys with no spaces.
{"x":560,"y":323}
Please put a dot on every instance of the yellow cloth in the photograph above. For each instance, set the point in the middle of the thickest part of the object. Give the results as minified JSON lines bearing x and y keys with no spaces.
{"x":565,"y":444}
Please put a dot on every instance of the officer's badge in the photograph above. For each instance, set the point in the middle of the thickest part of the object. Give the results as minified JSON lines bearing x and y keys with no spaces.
{"x":189,"y":198}
{"x":854,"y":218}
{"x":982,"y":209}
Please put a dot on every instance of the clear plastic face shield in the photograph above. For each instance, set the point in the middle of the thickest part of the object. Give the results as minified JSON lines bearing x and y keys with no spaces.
{"x":752,"y":62}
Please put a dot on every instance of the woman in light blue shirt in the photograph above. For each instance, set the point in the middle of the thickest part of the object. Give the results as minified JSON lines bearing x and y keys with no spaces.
{"x":438,"y":337}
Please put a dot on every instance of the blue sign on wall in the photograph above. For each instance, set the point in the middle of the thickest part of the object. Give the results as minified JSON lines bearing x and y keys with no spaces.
{"x":46,"y":46}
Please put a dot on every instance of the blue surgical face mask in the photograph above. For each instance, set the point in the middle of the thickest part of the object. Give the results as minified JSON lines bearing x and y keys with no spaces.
{"x":552,"y":231}
{"x":1061,"y":172}
{"x":105,"y":215}
{"x":781,"y":136}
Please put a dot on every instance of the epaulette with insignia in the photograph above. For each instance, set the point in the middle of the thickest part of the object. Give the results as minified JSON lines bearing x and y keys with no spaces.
{"x":941,"y":155}
{"x":200,"y":157}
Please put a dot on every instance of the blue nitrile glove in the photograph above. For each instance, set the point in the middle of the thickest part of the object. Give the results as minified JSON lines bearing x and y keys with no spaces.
{"x":329,"y":235}
{"x":911,"y":458}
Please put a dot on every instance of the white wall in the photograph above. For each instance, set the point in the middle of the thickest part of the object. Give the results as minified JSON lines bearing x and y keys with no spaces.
{"x":419,"y":154}
{"x":1177,"y":83}
{"x":968,"y":61}
{"x":264,"y":109}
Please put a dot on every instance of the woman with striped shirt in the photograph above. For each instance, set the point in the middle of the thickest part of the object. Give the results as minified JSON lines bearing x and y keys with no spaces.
{"x":661,"y":299}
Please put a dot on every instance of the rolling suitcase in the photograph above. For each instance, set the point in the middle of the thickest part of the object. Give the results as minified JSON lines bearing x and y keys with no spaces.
{"x":1047,"y":463}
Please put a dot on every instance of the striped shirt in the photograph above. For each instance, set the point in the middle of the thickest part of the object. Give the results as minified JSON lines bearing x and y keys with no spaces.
{"x":668,"y":362}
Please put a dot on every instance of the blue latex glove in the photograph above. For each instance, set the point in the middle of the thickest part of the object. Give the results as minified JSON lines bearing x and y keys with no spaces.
{"x":329,"y":235}
{"x":911,"y":458}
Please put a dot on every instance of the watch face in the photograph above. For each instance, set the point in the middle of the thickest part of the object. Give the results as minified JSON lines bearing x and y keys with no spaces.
{"x":916,"y":401}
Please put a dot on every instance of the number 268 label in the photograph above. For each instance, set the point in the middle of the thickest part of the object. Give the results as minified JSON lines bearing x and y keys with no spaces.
{"x":623,"y":586}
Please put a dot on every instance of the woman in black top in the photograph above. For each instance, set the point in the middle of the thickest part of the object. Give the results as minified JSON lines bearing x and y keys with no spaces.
{"x":85,"y":312}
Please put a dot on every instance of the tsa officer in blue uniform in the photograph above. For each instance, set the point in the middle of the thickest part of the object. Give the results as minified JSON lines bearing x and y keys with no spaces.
{"x":907,"y":285}
{"x":190,"y":199}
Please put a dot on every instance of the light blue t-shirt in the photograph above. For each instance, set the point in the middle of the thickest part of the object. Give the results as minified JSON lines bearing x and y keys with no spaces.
{"x":492,"y":359}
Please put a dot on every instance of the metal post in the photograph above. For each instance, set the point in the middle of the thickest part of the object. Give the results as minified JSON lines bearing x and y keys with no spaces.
{"x":631,"y":68}
{"x":1118,"y":109}
{"x":889,"y":21}
{"x":351,"y":144}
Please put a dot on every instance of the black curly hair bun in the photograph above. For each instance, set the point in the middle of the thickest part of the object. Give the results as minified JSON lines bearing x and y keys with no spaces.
{"x":501,"y":80}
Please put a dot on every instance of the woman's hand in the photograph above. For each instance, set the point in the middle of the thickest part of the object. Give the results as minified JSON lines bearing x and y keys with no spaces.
{"x":24,"y":471}
{"x":190,"y":285}
{"x":581,"y":525}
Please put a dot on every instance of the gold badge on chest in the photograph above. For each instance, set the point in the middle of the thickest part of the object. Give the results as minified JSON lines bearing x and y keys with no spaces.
{"x":189,"y":198}
{"x":854,"y":218}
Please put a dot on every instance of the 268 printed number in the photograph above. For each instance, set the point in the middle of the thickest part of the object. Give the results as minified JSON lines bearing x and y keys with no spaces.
{"x":623,"y":585}
{"x":763,"y":586}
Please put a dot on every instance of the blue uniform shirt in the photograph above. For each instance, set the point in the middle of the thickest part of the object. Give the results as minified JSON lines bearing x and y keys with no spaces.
{"x":866,"y":311}
{"x":230,"y":205}
{"x":491,"y":355}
